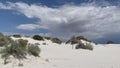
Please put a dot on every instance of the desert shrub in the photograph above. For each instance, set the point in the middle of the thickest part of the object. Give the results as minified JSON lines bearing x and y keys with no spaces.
{"x":5,"y":53}
{"x":89,"y":46}
{"x":83,"y":46}
{"x":23,"y":43}
{"x":33,"y":50}
{"x":37,"y":44}
{"x":15,"y":49}
{"x":17,"y":36}
{"x":19,"y":49}
{"x":44,"y":43}
{"x":110,"y":42}
{"x":37,"y":37}
{"x":74,"y":40}
{"x":83,"y":38}
{"x":48,"y":38}
{"x":56,"y":40}
{"x":4,"y":40}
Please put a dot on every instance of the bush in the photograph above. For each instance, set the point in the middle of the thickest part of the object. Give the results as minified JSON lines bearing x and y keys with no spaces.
{"x":4,"y":40}
{"x":83,"y":38}
{"x":89,"y":46}
{"x":48,"y":38}
{"x":44,"y":43}
{"x":23,"y":43}
{"x":33,"y":50}
{"x":17,"y":36}
{"x":110,"y":42}
{"x":56,"y":40}
{"x":74,"y":40}
{"x":37,"y":37}
{"x":15,"y":49}
{"x":83,"y":46}
{"x":19,"y":49}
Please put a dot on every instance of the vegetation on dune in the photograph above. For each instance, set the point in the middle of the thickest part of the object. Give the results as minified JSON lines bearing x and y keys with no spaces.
{"x":34,"y":50}
{"x":83,"y":38}
{"x":48,"y":38}
{"x":15,"y":49}
{"x":84,"y":46}
{"x":4,"y":40}
{"x":19,"y":49}
{"x":80,"y":45}
{"x":17,"y":36}
{"x":56,"y":40}
{"x":75,"y":39}
{"x":38,"y":37}
{"x":23,"y":43}
{"x":110,"y":42}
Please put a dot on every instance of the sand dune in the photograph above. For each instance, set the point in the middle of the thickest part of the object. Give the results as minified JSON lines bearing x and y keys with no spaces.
{"x":63,"y":56}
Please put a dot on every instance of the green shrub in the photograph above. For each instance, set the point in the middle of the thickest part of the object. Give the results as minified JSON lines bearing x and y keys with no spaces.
{"x":37,"y":37}
{"x":33,"y":50}
{"x":37,"y":44}
{"x":15,"y":49}
{"x":56,"y":40}
{"x":44,"y":43}
{"x":48,"y":38}
{"x":110,"y":42}
{"x":23,"y":43}
{"x":83,"y":38}
{"x":89,"y":46}
{"x":4,"y":40}
{"x":83,"y":46}
{"x":74,"y":40}
{"x":5,"y":53}
{"x":19,"y":49}
{"x":17,"y":36}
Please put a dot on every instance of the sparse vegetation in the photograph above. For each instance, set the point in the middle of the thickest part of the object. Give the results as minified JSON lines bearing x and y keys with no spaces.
{"x":44,"y":43}
{"x":83,"y":46}
{"x":4,"y":40}
{"x":19,"y":49}
{"x":17,"y":36}
{"x":37,"y":37}
{"x":15,"y":49}
{"x":83,"y":38}
{"x":23,"y":43}
{"x":110,"y":42}
{"x":74,"y":40}
{"x":56,"y":40}
{"x":48,"y":38}
{"x":33,"y":50}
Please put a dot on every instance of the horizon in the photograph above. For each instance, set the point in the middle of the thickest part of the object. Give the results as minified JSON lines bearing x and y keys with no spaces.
{"x":98,"y":21}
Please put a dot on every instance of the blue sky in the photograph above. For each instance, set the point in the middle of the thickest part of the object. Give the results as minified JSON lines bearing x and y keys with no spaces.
{"x":96,"y":20}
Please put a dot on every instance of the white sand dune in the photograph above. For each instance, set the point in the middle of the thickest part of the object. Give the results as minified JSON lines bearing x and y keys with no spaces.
{"x":63,"y":56}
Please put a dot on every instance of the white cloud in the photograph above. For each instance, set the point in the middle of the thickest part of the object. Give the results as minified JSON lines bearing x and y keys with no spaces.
{"x":67,"y":20}
{"x":30,"y":27}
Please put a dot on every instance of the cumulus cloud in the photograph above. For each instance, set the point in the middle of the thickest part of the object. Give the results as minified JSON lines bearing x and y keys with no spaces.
{"x":90,"y":20}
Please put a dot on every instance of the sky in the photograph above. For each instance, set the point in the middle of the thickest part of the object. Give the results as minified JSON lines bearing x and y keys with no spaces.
{"x":97,"y":20}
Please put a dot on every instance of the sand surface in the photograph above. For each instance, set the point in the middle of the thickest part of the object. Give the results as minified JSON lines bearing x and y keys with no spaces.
{"x":63,"y":56}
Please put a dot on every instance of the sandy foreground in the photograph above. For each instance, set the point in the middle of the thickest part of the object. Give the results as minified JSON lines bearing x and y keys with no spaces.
{"x":63,"y":56}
